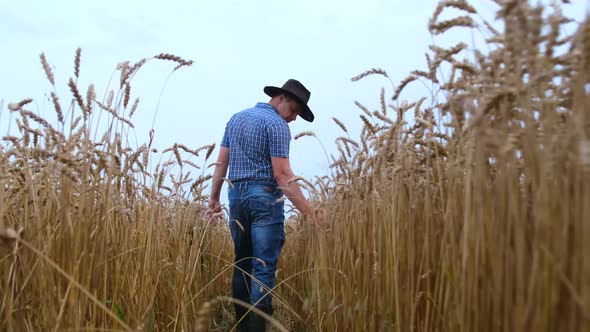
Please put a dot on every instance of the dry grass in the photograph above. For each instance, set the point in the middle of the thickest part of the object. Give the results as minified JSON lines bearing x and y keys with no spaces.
{"x":468,"y":215}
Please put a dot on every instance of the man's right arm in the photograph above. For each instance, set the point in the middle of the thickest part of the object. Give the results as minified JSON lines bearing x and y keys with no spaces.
{"x":283,"y":174}
{"x":220,"y":172}
{"x":218,"y":179}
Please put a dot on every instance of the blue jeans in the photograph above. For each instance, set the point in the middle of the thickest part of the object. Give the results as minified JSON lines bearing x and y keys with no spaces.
{"x":258,"y":239}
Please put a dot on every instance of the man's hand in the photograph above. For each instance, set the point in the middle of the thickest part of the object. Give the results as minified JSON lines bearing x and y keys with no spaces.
{"x":317,"y":218}
{"x":214,"y":213}
{"x":320,"y":215}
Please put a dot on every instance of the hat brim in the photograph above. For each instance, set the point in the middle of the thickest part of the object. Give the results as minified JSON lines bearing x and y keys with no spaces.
{"x":273,"y":91}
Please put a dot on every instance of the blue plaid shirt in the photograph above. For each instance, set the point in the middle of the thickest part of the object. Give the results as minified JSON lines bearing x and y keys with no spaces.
{"x":253,"y":136}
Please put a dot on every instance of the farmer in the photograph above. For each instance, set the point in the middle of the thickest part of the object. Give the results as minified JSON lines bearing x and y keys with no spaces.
{"x":255,"y":147}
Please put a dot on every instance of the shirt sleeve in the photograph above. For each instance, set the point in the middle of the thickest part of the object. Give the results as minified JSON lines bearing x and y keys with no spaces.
{"x":279,"y":139}
{"x":225,"y":139}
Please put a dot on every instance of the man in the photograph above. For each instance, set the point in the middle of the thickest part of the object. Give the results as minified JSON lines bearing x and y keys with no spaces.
{"x":255,"y":147}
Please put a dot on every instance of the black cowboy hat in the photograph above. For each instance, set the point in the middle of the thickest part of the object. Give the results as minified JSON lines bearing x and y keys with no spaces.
{"x":295,"y":89}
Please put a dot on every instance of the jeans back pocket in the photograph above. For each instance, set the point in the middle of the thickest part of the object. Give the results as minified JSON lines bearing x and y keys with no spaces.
{"x":266,"y":205}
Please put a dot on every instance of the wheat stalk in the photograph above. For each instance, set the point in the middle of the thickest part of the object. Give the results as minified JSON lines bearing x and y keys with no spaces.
{"x":458,"y":4}
{"x":368,"y":125}
{"x":110,"y":97}
{"x":465,"y":66}
{"x":372,"y":71}
{"x":90,"y":97}
{"x":383,"y":105}
{"x":461,"y":21}
{"x":170,"y":57}
{"x":402,"y":85}
{"x":77,"y":62}
{"x":177,"y":154}
{"x":349,"y":141}
{"x":47,"y":69}
{"x":383,"y":117}
{"x":363,"y":108}
{"x":77,"y":95}
{"x":57,"y":107}
{"x":123,"y":67}
{"x":35,"y":117}
{"x":303,"y":133}
{"x":127,"y":95}
{"x":340,"y":124}
{"x":114,"y":114}
{"x":210,"y":150}
{"x":19,"y":105}
{"x":134,"y":107}
{"x":190,"y":163}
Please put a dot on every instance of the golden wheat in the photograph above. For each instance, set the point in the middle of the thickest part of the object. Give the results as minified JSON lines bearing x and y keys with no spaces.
{"x":77,"y":95}
{"x":47,"y":69}
{"x":77,"y":62}
{"x":372,"y":71}
{"x":340,"y":124}
{"x":303,"y":134}
{"x":477,"y":224}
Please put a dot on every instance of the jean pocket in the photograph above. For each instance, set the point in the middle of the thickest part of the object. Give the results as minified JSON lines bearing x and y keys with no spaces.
{"x":267,"y":207}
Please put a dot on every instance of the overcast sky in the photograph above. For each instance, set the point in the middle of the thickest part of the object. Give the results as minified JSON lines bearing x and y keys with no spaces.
{"x":238,"y":48}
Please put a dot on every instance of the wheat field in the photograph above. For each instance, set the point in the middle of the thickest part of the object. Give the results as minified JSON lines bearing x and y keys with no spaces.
{"x":465,"y":210}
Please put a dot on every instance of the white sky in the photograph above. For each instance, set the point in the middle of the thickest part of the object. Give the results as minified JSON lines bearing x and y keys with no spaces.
{"x":238,"y":48}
